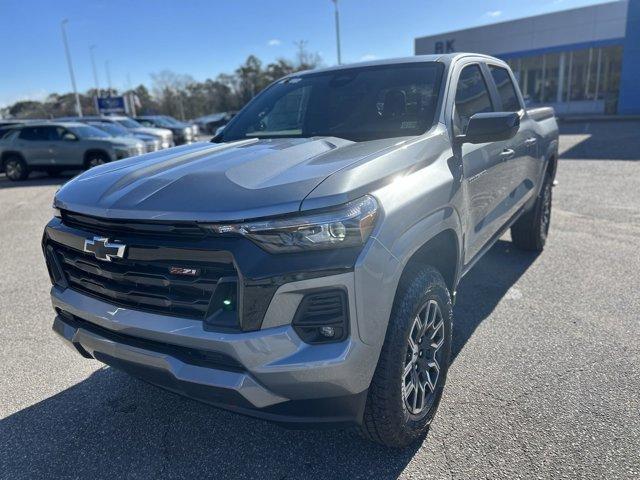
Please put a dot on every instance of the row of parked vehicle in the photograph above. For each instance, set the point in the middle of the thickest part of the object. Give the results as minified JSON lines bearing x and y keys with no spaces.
{"x":84,"y":142}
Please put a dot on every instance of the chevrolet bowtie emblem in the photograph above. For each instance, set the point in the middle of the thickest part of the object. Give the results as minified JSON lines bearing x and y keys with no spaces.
{"x":102,"y":249}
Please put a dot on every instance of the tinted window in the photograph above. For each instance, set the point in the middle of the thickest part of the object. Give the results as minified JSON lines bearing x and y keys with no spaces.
{"x":507,"y":91}
{"x":357,"y":104}
{"x":472,"y":96}
{"x":34,"y":133}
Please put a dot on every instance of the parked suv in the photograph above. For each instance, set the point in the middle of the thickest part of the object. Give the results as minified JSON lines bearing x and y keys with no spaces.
{"x":53,"y":147}
{"x":302,"y":267}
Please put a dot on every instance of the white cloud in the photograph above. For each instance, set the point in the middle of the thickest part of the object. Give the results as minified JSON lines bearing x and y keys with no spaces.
{"x":493,"y":13}
{"x":274,"y":42}
{"x":368,"y":57}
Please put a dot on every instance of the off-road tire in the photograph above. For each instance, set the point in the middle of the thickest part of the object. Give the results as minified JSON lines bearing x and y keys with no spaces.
{"x":387,"y":419}
{"x":531,"y":230}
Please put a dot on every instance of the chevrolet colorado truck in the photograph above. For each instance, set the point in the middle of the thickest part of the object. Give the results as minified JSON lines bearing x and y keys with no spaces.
{"x":302,"y":266}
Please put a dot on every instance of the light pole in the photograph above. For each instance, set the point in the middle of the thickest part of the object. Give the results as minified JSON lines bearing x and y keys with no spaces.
{"x":337,"y":15}
{"x":106,"y":67}
{"x":95,"y":77}
{"x":95,"y":72}
{"x":73,"y":78}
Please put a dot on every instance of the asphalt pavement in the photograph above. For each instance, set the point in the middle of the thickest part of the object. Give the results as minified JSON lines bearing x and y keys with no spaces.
{"x":544,"y":381}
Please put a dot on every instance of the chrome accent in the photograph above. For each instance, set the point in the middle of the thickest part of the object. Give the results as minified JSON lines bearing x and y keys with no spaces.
{"x":102,"y":249}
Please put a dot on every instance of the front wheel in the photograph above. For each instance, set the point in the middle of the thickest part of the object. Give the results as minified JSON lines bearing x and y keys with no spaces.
{"x":411,"y":372}
{"x":531,"y":230}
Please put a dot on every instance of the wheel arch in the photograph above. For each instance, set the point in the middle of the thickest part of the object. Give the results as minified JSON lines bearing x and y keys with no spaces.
{"x":9,"y":154}
{"x":442,"y":251}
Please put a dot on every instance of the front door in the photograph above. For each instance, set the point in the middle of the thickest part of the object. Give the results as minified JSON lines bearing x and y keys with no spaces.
{"x":481,"y":163}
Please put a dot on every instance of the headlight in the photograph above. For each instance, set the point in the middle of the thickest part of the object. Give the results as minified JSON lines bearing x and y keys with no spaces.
{"x":348,"y":225}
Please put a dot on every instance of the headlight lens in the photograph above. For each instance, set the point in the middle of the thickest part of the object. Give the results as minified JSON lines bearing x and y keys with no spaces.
{"x":348,"y":225}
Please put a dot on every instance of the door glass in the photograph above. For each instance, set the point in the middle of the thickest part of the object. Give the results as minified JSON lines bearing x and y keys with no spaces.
{"x":34,"y":133}
{"x":472,"y":96}
{"x":506,"y":90}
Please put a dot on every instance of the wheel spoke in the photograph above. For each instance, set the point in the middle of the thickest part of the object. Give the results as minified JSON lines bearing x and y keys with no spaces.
{"x":407,"y":370}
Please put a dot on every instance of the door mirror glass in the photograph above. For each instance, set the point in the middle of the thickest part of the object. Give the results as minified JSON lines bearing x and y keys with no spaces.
{"x":491,"y":127}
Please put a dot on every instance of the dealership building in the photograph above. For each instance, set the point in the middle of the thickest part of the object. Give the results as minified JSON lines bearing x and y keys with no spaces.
{"x":580,"y":61}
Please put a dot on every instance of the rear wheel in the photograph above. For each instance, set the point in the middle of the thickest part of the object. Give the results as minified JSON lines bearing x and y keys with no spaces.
{"x":95,"y":159}
{"x":15,"y":168}
{"x":531,"y":229}
{"x":412,"y":369}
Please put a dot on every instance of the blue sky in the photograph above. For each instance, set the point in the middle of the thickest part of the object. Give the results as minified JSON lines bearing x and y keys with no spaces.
{"x":205,"y":37}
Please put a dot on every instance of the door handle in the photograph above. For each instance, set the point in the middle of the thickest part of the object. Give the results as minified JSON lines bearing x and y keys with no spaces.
{"x":507,"y":153}
{"x":530,"y":141}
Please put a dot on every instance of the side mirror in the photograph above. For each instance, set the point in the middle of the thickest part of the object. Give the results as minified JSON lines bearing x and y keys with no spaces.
{"x":69,"y":137}
{"x":491,"y":127}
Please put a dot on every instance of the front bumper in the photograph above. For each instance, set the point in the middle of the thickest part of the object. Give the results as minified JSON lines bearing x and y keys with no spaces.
{"x":269,"y":373}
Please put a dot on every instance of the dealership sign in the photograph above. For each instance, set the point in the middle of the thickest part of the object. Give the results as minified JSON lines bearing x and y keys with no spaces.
{"x":111,"y":104}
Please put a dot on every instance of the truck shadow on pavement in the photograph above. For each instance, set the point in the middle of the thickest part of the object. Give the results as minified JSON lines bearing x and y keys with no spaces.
{"x":113,"y":426}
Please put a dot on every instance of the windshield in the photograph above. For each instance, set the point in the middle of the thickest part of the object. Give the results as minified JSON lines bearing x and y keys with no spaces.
{"x":113,"y":129}
{"x":87,"y":131}
{"x":127,"y":122}
{"x":357,"y":104}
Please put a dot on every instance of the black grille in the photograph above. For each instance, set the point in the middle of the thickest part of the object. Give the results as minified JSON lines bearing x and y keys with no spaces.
{"x":109,"y":227}
{"x":143,"y":285}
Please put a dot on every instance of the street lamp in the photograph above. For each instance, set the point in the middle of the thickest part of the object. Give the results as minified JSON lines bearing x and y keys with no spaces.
{"x":73,"y":78}
{"x":95,"y":72}
{"x":337,"y":16}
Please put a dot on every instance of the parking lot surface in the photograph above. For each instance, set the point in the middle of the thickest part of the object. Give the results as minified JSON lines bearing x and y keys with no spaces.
{"x":544,"y":381}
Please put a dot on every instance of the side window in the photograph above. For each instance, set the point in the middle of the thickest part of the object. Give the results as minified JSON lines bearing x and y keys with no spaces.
{"x":34,"y":133}
{"x":286,"y":115}
{"x":472,"y":96}
{"x":507,"y":91}
{"x":55,"y":133}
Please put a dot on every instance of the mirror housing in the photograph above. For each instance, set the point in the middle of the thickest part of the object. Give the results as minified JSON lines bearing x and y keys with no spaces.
{"x":491,"y":127}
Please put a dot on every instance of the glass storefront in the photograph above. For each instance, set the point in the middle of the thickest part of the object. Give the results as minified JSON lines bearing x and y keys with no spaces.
{"x":576,"y":81}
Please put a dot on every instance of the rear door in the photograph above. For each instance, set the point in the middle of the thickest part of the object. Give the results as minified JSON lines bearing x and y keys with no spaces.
{"x":520,"y":167}
{"x":480,"y":162}
{"x":67,"y":149}
{"x":33,"y":143}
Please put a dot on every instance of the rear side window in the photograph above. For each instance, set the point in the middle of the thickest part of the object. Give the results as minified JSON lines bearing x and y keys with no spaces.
{"x":507,"y":91}
{"x":34,"y":133}
{"x":472,"y":96}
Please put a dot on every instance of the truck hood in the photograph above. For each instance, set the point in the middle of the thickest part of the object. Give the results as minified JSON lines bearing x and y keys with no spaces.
{"x":210,"y":182}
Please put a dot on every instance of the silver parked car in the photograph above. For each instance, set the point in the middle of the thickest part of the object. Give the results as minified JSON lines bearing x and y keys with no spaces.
{"x":164,"y":135}
{"x":151,"y":142}
{"x":53,"y":147}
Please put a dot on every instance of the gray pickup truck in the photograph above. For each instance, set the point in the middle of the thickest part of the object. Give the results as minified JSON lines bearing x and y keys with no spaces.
{"x":302,"y":267}
{"x":56,"y":146}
